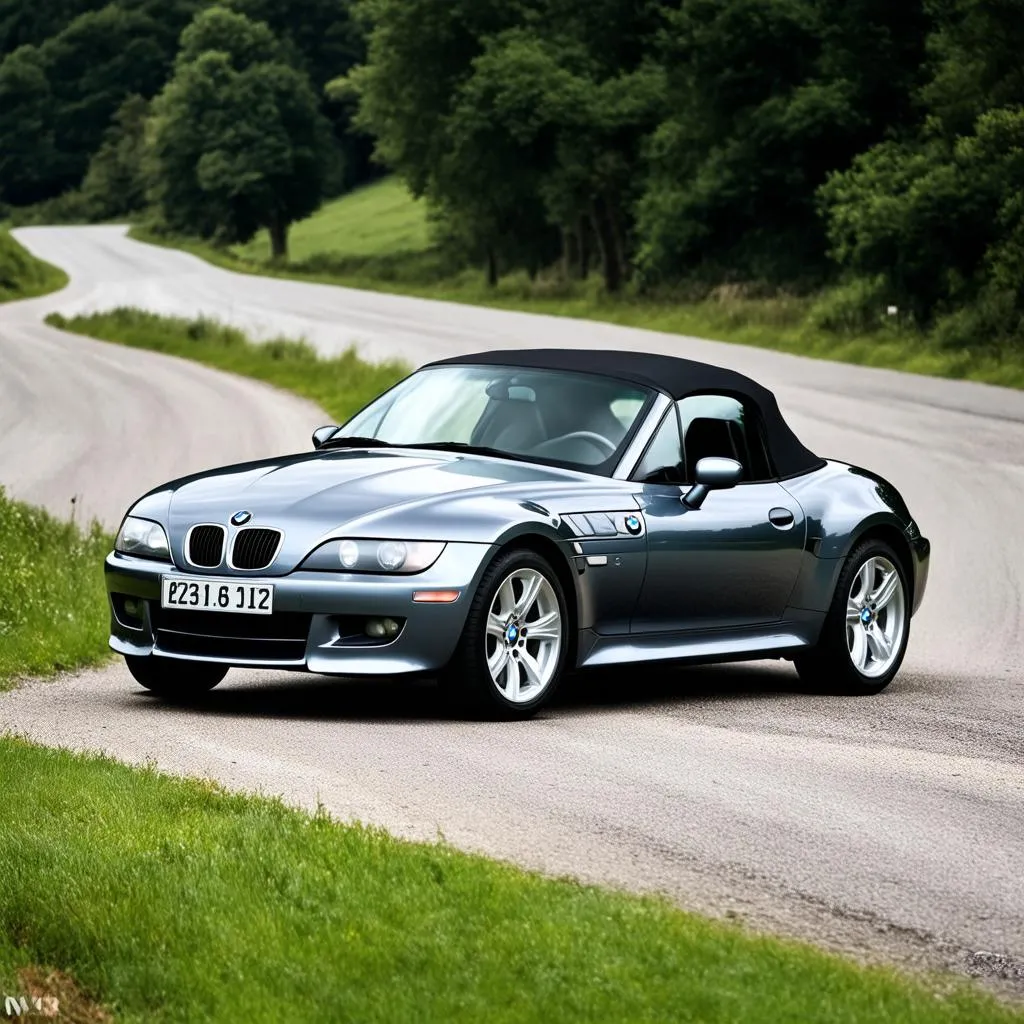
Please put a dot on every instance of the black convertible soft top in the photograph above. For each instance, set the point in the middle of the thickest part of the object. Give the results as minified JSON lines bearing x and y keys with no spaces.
{"x":677,"y":377}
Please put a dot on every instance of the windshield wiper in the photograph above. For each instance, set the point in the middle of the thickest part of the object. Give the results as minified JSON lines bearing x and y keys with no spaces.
{"x":356,"y":442}
{"x":462,"y":446}
{"x":444,"y":446}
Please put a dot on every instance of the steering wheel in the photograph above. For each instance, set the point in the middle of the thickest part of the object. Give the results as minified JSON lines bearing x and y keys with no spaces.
{"x":588,"y":435}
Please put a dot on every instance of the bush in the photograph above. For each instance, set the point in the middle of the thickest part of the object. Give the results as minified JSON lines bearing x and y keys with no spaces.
{"x":858,"y":306}
{"x":70,"y":208}
{"x":994,"y":321}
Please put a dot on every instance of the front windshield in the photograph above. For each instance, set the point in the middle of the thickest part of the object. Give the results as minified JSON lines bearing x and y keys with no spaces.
{"x":575,"y":419}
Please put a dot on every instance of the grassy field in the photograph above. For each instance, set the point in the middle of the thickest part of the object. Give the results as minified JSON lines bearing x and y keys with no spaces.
{"x":171,"y":901}
{"x":376,"y":239}
{"x":341,"y":385}
{"x":377,"y":219}
{"x":53,"y":607}
{"x":22,"y":276}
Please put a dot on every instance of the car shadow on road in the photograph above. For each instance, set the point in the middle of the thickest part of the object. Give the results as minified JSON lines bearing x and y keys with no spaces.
{"x":311,"y":697}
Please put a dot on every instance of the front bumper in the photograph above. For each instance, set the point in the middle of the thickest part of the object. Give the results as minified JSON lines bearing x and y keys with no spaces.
{"x":313,"y":614}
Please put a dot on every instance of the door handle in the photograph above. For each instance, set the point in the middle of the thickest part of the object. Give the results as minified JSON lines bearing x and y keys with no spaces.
{"x":781,"y":518}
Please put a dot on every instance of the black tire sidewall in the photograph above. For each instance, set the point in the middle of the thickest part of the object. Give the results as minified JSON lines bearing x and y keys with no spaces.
{"x":174,"y":677}
{"x":467,"y":677}
{"x":829,"y":666}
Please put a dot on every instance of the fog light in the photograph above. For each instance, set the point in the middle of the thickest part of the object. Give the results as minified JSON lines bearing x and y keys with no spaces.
{"x":133,"y":607}
{"x":379,"y":628}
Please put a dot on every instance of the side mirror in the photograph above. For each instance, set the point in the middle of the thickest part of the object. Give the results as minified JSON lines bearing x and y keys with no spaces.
{"x":713,"y":474}
{"x":322,"y":435}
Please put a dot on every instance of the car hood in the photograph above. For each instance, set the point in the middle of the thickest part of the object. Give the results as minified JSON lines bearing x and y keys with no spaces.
{"x":415,"y":494}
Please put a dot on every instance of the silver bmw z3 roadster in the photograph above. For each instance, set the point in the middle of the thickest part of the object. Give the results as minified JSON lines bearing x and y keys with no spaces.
{"x":496,"y":520}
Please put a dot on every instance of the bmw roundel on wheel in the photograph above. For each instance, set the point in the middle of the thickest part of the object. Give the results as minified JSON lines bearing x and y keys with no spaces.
{"x":499,"y":519}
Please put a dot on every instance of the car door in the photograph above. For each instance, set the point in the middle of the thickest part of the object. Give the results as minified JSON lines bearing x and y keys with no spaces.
{"x":734,"y":561}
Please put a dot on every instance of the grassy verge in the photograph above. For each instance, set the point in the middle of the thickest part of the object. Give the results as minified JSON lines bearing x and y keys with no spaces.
{"x":169,"y":900}
{"x":341,"y":385}
{"x":22,"y":276}
{"x":53,"y":608}
{"x":377,"y":238}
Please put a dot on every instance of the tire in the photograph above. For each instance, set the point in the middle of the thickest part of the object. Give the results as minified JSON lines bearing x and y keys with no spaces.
{"x":862,"y":642}
{"x":170,"y":677}
{"x":479,"y":680}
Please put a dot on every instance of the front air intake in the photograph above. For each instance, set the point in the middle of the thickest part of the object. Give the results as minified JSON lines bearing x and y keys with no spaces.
{"x":255,"y":548}
{"x":205,"y":546}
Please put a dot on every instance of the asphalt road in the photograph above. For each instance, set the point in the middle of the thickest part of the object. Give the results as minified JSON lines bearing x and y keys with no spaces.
{"x":891,"y":826}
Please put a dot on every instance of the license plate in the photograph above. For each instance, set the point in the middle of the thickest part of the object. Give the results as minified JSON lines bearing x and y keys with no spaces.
{"x":217,"y":595}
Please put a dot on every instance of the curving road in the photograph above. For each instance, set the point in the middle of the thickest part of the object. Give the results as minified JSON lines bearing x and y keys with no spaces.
{"x":891,"y":826}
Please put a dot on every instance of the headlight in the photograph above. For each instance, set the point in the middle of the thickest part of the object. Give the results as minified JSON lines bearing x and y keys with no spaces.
{"x":382,"y":556}
{"x":142,"y":538}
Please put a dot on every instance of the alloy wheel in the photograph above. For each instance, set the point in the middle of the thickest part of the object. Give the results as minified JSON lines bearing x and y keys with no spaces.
{"x":523,"y":636}
{"x":876,"y":617}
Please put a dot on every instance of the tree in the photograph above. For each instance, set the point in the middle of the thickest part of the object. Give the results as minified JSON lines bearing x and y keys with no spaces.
{"x":237,"y":140}
{"x":27,"y":153}
{"x":244,"y":41}
{"x":115,"y":184}
{"x":976,"y":50}
{"x":324,"y":39}
{"x":938,"y":215}
{"x":30,"y":23}
{"x":99,"y":60}
{"x":320,"y":37}
{"x":522,"y":121}
{"x":91,"y":63}
{"x":769,"y":97}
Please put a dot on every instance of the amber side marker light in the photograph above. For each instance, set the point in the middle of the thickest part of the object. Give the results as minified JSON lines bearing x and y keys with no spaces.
{"x":435,"y":596}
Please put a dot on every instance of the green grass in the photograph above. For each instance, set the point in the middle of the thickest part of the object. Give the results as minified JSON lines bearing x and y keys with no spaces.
{"x":22,"y":276}
{"x":53,"y":607}
{"x":171,"y":901}
{"x":376,"y":238}
{"x":379,"y":218}
{"x":341,"y":385}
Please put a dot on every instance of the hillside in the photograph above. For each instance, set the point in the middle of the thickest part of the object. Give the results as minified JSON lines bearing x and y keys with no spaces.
{"x":22,"y":276}
{"x":377,"y":219}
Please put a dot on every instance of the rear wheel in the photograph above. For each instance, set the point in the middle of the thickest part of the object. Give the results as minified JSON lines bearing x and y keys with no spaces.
{"x":866,"y":630}
{"x":170,"y":677}
{"x":512,"y":654}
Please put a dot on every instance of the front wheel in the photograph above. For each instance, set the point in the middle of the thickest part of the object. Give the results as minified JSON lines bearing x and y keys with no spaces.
{"x":513,"y":650}
{"x":170,"y":677}
{"x":865,"y":633}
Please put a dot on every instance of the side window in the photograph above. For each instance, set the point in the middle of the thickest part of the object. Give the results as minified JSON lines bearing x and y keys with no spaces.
{"x":724,"y":426}
{"x":661,"y":463}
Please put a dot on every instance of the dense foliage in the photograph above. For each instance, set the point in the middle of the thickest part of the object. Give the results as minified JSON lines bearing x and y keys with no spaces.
{"x":779,"y":143}
{"x":237,"y":141}
{"x":75,"y":76}
{"x":936,"y":215}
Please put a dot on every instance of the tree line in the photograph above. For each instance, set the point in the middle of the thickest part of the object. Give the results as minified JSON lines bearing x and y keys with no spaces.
{"x":871,"y":146}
